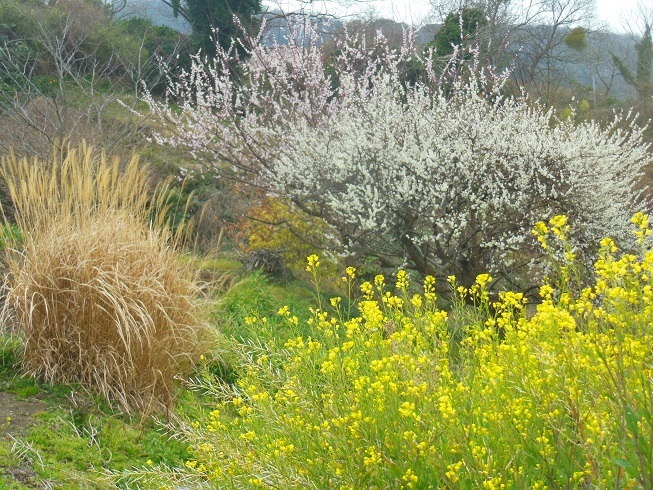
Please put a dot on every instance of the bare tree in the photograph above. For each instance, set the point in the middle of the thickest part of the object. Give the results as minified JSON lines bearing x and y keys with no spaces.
{"x":641,"y":77}
{"x":114,"y":7}
{"x":530,"y":36}
{"x":62,"y":81}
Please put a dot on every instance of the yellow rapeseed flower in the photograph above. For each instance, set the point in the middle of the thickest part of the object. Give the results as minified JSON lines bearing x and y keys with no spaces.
{"x":541,"y":231}
{"x":483,"y":279}
{"x":367,"y":290}
{"x":640,"y":220}
{"x":402,"y":280}
{"x":283,"y":311}
{"x":313,"y":263}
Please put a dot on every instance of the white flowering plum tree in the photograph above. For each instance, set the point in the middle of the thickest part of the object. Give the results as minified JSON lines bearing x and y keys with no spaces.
{"x":444,"y":174}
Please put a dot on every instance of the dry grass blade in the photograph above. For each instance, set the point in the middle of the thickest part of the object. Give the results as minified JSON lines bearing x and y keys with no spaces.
{"x":98,"y":289}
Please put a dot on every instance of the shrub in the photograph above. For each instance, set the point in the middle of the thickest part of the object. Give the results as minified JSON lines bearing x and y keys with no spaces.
{"x":98,"y":290}
{"x":445,"y":175}
{"x":395,"y":398}
{"x":275,"y":225}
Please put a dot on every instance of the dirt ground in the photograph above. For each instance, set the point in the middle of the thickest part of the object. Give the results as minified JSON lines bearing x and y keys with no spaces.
{"x":15,"y":416}
{"x":20,"y":413}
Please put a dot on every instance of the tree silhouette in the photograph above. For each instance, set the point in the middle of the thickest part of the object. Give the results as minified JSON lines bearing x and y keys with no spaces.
{"x":457,"y":27}
{"x":207,"y":16}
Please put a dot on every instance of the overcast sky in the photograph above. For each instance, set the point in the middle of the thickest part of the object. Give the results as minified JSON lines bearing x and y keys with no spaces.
{"x":613,"y":12}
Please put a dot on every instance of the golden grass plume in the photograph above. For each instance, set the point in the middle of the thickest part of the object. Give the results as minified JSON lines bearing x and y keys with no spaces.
{"x":97,"y":288}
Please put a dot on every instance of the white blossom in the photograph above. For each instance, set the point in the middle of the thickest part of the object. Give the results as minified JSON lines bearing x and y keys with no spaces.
{"x":444,"y":173}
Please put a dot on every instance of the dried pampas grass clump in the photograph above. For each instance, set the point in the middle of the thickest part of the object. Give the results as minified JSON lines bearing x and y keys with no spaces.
{"x":97,"y":288}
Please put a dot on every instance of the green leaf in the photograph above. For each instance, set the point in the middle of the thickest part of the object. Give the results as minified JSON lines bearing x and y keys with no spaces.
{"x":631,"y":421}
{"x":630,"y":469}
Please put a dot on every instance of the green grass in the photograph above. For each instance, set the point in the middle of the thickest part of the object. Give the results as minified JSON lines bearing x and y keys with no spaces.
{"x":8,"y":460}
{"x":219,"y":265}
{"x":77,"y":440}
{"x":87,"y":443}
{"x":256,"y":295}
{"x":71,"y":448}
{"x":9,"y":349}
{"x":77,"y":436}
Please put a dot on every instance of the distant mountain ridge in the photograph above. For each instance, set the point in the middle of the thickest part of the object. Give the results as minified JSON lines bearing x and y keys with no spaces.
{"x":157,"y":11}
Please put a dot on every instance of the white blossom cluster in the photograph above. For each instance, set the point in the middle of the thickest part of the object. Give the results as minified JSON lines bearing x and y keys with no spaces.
{"x":443,"y":174}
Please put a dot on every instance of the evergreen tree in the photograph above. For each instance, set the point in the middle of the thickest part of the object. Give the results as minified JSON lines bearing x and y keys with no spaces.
{"x":456,"y":29}
{"x":205,"y":16}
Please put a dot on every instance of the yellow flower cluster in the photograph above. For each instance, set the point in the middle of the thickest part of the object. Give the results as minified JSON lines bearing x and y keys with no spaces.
{"x":313,"y":263}
{"x":407,"y":395}
{"x":640,"y":220}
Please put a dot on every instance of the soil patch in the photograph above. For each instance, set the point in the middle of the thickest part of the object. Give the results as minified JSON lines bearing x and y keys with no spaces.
{"x":20,"y":413}
{"x":22,"y":475}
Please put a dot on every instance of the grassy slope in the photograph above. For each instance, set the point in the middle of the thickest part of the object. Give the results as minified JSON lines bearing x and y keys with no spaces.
{"x":77,"y":437}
